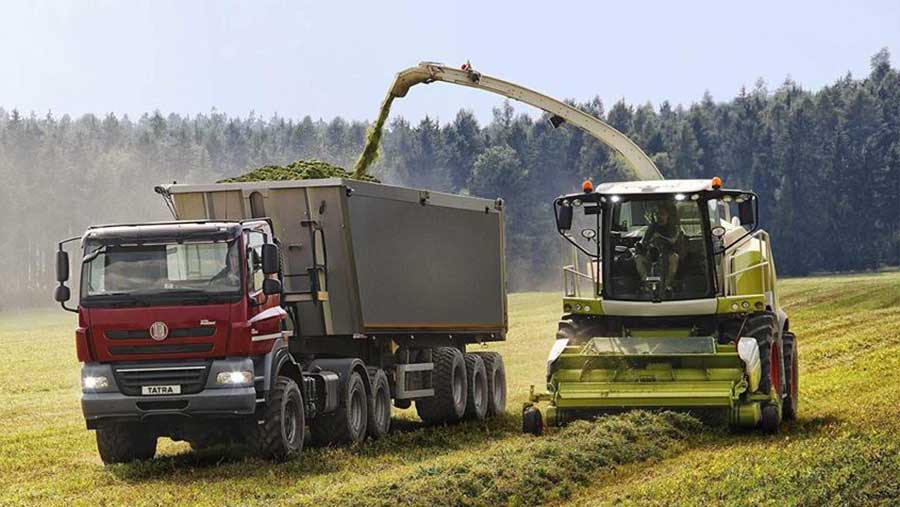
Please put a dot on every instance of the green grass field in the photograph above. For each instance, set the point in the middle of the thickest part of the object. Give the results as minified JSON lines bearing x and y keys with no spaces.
{"x":843,"y":450}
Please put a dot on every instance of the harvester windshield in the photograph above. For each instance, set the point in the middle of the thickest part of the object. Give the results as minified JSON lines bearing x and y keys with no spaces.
{"x":658,"y":249}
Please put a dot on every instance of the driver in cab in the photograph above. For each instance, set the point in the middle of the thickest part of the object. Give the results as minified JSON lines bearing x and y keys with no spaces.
{"x":663,"y":240}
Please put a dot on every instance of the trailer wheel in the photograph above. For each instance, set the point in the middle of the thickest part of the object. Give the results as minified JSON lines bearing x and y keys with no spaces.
{"x":791,"y":373}
{"x":277,"y":430}
{"x":476,"y":388}
{"x":379,"y":423}
{"x":448,"y":379}
{"x":496,"y":382}
{"x":348,"y":422}
{"x":532,"y":423}
{"x":122,"y":443}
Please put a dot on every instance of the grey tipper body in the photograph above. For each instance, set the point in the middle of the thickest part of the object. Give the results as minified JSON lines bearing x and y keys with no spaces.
{"x":391,"y":260}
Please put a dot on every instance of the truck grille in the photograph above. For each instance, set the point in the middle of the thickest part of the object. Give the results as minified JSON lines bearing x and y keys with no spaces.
{"x":140,"y":334}
{"x":191,"y":377}
{"x":187,"y":348}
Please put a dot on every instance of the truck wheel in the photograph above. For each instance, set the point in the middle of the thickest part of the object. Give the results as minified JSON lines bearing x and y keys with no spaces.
{"x":791,"y":373}
{"x":379,"y":423}
{"x":448,"y":379}
{"x":532,"y":423}
{"x":348,"y":422}
{"x":278,"y":428}
{"x":476,"y":388}
{"x":122,"y":443}
{"x":496,"y":382}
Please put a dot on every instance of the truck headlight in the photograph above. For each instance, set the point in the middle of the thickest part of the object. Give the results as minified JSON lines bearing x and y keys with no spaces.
{"x":91,"y":383}
{"x":234,"y":377}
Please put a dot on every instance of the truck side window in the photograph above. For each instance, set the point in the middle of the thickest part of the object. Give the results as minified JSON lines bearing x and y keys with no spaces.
{"x":255,"y":241}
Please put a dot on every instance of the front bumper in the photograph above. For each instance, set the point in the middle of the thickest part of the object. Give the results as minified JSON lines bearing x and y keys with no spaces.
{"x":111,"y":404}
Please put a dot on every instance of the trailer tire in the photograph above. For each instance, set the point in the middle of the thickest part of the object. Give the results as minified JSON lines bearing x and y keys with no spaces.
{"x":532,"y":422}
{"x":379,"y":423}
{"x":278,"y":428}
{"x":477,"y":393}
{"x":791,"y":373}
{"x":348,"y":422}
{"x":123,"y":443}
{"x":496,"y":382}
{"x":448,"y":379}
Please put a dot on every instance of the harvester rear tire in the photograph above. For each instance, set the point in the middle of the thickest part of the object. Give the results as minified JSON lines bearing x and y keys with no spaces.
{"x":476,"y":388}
{"x":791,"y":374}
{"x":349,"y":421}
{"x":379,"y":423}
{"x":496,"y":382}
{"x":123,"y":443}
{"x":771,"y":418}
{"x":448,"y":379}
{"x":532,"y":422}
{"x":278,"y":428}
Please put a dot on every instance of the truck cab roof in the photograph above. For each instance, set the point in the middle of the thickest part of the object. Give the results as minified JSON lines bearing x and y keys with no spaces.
{"x":165,"y":231}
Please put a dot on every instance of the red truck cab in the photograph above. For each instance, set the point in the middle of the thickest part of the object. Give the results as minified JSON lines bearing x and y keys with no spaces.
{"x":177,"y":322}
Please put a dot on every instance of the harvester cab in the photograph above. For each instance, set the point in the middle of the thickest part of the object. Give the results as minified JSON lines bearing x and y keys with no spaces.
{"x":670,"y":303}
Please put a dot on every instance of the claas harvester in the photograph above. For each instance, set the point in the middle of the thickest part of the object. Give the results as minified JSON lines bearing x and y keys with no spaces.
{"x":670,"y":303}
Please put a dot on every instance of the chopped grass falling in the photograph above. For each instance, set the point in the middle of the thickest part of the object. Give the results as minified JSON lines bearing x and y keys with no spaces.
{"x":373,"y":140}
{"x":299,"y":170}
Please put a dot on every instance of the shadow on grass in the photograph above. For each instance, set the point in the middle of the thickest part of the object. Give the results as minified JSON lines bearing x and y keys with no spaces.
{"x":409,"y":442}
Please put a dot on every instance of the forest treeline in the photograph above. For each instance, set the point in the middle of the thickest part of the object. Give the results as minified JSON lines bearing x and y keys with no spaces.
{"x":825,"y":163}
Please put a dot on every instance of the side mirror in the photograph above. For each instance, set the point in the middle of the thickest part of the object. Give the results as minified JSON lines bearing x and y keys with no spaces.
{"x":270,"y":259}
{"x":563,"y":217}
{"x":747,"y":212}
{"x":62,"y":294}
{"x":62,"y":266}
{"x":271,"y":287}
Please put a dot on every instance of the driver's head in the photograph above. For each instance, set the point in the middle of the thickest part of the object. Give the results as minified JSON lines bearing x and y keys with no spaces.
{"x":666,"y":213}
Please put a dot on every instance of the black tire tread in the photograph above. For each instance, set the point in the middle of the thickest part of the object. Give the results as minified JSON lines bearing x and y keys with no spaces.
{"x":789,"y":407}
{"x":440,"y":408}
{"x":263,"y":433}
{"x":333,"y":428}
{"x":475,"y":364}
{"x":378,"y":381}
{"x":123,"y":443}
{"x":492,"y":361}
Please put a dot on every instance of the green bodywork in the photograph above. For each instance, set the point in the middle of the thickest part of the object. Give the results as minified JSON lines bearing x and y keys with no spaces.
{"x":665,"y":367}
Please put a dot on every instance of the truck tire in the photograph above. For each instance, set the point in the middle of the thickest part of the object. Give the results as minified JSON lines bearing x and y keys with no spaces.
{"x":349,"y":420}
{"x":791,"y":374}
{"x":532,"y":422}
{"x":496,"y":382}
{"x":448,"y":379}
{"x":278,"y":428}
{"x":476,"y":388}
{"x":379,"y":423}
{"x":123,"y":443}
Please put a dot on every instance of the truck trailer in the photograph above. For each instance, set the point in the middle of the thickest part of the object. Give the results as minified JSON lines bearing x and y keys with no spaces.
{"x":276,"y":312}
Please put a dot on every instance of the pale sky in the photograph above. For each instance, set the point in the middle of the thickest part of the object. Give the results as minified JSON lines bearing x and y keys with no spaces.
{"x":330,"y":58}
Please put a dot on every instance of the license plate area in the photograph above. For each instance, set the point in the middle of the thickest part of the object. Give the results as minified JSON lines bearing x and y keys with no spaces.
{"x":160,"y":390}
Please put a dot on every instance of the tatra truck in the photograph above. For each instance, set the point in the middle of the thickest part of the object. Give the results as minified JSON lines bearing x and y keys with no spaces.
{"x":275,"y":312}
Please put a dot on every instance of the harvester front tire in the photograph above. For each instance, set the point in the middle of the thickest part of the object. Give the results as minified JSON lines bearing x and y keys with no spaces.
{"x":448,"y":379}
{"x":123,"y":443}
{"x":379,"y":423}
{"x":496,"y":382}
{"x":762,"y":328}
{"x":278,"y":428}
{"x":348,"y":423}
{"x":791,"y":374}
{"x":476,"y":388}
{"x":532,"y":422}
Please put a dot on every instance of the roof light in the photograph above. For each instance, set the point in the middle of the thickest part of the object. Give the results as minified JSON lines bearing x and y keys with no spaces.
{"x":716,"y":182}
{"x":615,"y":198}
{"x":679,"y":197}
{"x":587,"y":186}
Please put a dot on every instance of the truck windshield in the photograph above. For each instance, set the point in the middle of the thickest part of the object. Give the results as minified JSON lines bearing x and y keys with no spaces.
{"x":659,"y":250}
{"x":205,"y":268}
